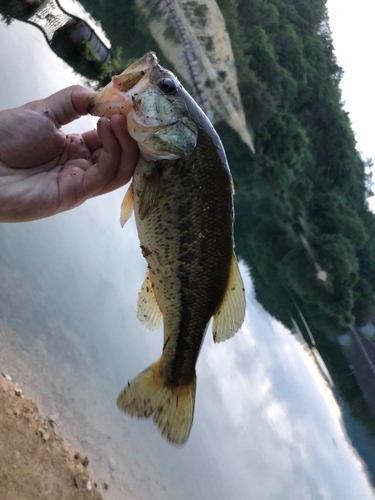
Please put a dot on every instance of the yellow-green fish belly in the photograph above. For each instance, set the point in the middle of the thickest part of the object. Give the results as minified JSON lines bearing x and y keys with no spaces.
{"x":187,"y":241}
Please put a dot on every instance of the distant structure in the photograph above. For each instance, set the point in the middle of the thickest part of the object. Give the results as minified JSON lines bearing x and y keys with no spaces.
{"x":193,"y":37}
{"x":190,"y":56}
{"x":69,"y":37}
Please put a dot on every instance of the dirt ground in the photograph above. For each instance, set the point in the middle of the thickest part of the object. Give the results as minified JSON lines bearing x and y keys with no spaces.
{"x":35,"y":463}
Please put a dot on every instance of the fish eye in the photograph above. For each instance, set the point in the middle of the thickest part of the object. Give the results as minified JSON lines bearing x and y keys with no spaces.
{"x":168,"y":86}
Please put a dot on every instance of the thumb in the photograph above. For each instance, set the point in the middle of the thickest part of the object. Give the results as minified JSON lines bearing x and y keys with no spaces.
{"x":68,"y":104}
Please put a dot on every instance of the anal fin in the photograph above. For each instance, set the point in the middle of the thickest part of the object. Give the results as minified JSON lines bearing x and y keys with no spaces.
{"x":127,"y":206}
{"x":230,"y":315}
{"x":148,"y":311}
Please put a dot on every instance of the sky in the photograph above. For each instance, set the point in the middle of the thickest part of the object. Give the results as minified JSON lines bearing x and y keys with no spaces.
{"x":266,"y":426}
{"x":352,"y":26}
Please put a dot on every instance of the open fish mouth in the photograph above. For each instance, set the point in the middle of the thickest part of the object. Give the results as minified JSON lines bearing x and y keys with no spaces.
{"x":156,"y":108}
{"x":117,"y":97}
{"x":182,"y":196}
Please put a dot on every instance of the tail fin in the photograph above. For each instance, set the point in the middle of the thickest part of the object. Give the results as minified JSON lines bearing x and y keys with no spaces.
{"x":172,"y":407}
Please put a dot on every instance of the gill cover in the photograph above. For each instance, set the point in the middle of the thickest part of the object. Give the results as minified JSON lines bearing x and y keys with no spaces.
{"x":156,"y":109}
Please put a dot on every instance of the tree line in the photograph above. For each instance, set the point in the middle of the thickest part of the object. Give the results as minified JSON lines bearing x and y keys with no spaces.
{"x":307,"y":185}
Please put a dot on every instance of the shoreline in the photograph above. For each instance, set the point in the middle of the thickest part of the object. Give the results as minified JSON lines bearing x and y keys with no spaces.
{"x":35,"y":461}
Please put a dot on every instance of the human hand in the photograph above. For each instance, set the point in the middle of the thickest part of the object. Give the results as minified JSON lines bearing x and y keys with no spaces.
{"x":44,"y":172}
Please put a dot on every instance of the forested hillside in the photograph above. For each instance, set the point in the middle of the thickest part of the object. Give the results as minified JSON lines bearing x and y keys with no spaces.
{"x":301,"y":199}
{"x":306,"y":181}
{"x":307,"y":178}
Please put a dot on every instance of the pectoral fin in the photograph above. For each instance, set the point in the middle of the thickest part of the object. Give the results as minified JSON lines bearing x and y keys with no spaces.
{"x":149,"y":196}
{"x":148,"y":311}
{"x":127,"y":206}
{"x":230,"y":315}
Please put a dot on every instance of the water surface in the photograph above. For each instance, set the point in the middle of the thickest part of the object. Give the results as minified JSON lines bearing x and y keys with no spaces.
{"x":266,"y":426}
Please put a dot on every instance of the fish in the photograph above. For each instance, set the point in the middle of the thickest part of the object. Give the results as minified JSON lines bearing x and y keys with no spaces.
{"x":182,"y":197}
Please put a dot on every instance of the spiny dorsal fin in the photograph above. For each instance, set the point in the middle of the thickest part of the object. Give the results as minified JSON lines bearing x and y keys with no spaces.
{"x":148,"y":311}
{"x":127,"y":206}
{"x":229,"y":318}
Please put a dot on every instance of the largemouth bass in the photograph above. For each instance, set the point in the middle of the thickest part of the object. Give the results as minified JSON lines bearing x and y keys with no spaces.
{"x":182,"y":195}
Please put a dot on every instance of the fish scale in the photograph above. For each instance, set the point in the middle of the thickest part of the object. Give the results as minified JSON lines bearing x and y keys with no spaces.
{"x":201,"y":242}
{"x":182,"y":195}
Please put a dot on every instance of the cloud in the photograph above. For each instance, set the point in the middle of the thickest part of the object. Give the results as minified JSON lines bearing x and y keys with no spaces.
{"x":266,"y":426}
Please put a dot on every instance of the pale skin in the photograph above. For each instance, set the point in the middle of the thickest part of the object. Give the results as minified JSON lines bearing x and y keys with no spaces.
{"x":44,"y":172}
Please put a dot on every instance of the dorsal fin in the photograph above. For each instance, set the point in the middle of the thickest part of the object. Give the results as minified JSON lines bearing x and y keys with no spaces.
{"x":230,"y":315}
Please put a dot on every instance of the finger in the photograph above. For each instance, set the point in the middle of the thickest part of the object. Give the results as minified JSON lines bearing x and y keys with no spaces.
{"x":81,"y":99}
{"x":129,"y":149}
{"x":129,"y":154}
{"x":68,"y":104}
{"x":82,"y":164}
{"x":77,"y":184}
{"x":92,"y":140}
{"x":76,"y":148}
{"x":111,"y":152}
{"x":120,"y":129}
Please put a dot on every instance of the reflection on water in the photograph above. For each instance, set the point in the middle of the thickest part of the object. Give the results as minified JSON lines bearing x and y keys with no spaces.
{"x":266,"y":424}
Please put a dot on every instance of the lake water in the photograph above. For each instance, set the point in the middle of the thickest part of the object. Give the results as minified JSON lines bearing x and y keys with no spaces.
{"x":266,"y":426}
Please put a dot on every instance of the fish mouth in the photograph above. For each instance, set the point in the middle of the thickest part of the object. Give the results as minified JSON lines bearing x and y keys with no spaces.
{"x":116,"y":97}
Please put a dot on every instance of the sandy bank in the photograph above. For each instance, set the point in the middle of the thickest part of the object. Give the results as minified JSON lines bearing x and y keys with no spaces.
{"x":35,"y":463}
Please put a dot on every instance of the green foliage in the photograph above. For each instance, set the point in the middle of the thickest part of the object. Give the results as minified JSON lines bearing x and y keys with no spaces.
{"x":306,"y":182}
{"x":330,"y":215}
{"x":10,"y":10}
{"x":89,"y":52}
{"x":307,"y":177}
{"x":124,"y":25}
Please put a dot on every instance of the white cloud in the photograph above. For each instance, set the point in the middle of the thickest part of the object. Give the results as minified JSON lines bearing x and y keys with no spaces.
{"x":264,"y":427}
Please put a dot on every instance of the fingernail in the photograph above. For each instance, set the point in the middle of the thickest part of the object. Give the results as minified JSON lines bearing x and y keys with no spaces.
{"x":103,"y":121}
